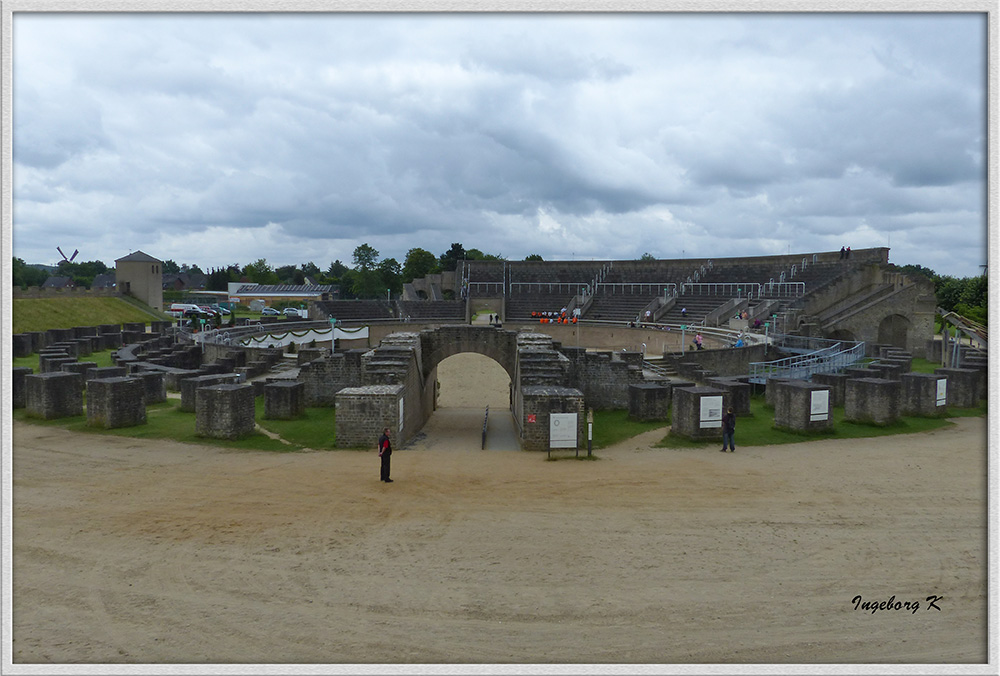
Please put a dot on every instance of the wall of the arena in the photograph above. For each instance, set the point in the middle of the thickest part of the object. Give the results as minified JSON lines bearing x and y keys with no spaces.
{"x":726,"y":361}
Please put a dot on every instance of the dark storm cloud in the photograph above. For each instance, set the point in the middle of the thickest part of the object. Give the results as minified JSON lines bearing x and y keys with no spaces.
{"x":275,"y":134}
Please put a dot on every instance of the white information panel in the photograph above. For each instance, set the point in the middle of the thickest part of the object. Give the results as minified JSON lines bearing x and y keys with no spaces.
{"x":400,"y":414}
{"x":942,"y":391}
{"x":562,"y":430}
{"x":711,"y":412}
{"x":819,"y":405}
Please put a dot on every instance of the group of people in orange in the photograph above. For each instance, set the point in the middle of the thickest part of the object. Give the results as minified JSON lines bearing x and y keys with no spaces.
{"x":546,"y":317}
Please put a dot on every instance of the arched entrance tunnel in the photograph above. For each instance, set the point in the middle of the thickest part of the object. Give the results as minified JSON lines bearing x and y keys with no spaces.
{"x":467,"y":383}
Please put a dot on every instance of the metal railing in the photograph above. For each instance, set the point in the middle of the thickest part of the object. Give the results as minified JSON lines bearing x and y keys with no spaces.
{"x":486,"y":422}
{"x":734,"y":289}
{"x":830,"y":358}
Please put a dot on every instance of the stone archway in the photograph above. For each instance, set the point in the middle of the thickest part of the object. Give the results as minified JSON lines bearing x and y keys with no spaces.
{"x":893,"y":330}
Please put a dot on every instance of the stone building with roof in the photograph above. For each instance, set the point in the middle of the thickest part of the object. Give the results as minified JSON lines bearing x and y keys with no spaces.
{"x":141,"y":276}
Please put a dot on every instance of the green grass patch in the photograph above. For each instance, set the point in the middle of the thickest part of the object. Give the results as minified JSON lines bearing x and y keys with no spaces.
{"x":163,"y":421}
{"x":315,"y":430}
{"x":758,"y":429}
{"x":612,"y":427}
{"x":40,"y":314}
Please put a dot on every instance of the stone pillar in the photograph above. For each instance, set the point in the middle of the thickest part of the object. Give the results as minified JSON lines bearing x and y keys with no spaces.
{"x":160,"y":326}
{"x":224,"y":411}
{"x":54,"y":364}
{"x":803,"y":406}
{"x":22,"y":345}
{"x":38,"y":340}
{"x":924,"y":394}
{"x":190,"y":386}
{"x":963,"y":386}
{"x":284,"y":400}
{"x":538,"y":403}
{"x":84,"y":368}
{"x":83,"y":331}
{"x":107,"y":372}
{"x":363,"y":412}
{"x":697,"y":412}
{"x":53,"y":395}
{"x":137,"y":327}
{"x":739,"y":394}
{"x":109,"y":328}
{"x":18,"y":388}
{"x":887,"y":371}
{"x":836,"y":381}
{"x":116,"y":402}
{"x":872,"y":400}
{"x":648,"y":401}
{"x":155,"y":386}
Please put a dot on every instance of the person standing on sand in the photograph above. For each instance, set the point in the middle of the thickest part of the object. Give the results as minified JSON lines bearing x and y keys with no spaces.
{"x":384,"y":452}
{"x":728,"y":430}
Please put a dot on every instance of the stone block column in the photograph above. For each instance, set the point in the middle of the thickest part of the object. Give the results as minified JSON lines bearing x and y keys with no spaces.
{"x":803,"y":406}
{"x":697,"y":412}
{"x":57,"y":394}
{"x":284,"y":400}
{"x":924,"y":394}
{"x":116,"y":402}
{"x":190,"y":386}
{"x":872,"y":400}
{"x":963,"y":386}
{"x":363,"y":412}
{"x":155,"y":386}
{"x":648,"y":401}
{"x":224,"y":411}
{"x":18,"y":394}
{"x":836,"y":381}
{"x":538,"y":403}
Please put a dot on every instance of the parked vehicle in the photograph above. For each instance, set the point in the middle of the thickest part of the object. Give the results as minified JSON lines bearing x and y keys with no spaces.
{"x":183,"y":307}
{"x":221,"y":310}
{"x":269,"y":311}
{"x":294,"y":312}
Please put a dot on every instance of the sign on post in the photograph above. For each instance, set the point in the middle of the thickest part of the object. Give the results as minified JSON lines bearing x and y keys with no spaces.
{"x":562,"y":430}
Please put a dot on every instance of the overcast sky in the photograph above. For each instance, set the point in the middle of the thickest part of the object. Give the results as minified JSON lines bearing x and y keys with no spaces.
{"x":218,"y":139}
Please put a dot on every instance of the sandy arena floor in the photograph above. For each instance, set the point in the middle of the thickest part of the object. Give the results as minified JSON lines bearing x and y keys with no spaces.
{"x":129,"y":551}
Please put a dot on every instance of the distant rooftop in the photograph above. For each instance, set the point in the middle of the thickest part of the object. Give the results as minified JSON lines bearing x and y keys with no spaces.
{"x":284,"y":288}
{"x":138,"y":257}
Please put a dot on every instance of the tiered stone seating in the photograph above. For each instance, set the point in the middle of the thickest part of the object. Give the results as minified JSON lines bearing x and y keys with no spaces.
{"x":356,"y":310}
{"x":449,"y":310}
{"x":520,"y":306}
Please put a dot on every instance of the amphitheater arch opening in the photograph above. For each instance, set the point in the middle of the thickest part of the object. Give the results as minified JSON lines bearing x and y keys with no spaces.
{"x":467,"y":383}
{"x":893,"y":330}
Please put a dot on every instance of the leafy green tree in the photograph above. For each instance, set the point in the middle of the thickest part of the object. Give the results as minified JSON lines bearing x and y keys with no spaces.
{"x":418,"y":263}
{"x":391,"y":275}
{"x":533,"y":257}
{"x":449,"y":259}
{"x":83,"y":273}
{"x":24,"y":275}
{"x":170,"y":267}
{"x":337,"y":270}
{"x":260,"y":272}
{"x":310,"y":269}
{"x":367,"y":280}
{"x":647,"y":257}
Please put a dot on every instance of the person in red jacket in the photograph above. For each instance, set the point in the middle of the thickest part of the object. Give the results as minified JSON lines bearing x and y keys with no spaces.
{"x":385,"y":452}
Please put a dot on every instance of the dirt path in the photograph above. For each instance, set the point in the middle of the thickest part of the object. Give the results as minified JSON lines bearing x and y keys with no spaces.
{"x":131,"y":551}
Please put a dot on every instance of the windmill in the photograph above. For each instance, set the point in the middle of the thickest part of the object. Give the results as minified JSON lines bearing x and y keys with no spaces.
{"x":70,"y":259}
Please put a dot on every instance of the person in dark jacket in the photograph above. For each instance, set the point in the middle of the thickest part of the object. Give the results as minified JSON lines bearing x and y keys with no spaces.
{"x":728,"y":430}
{"x":385,"y":452}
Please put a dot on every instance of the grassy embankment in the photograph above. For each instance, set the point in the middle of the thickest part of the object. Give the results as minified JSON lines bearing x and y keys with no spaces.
{"x":40,"y":314}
